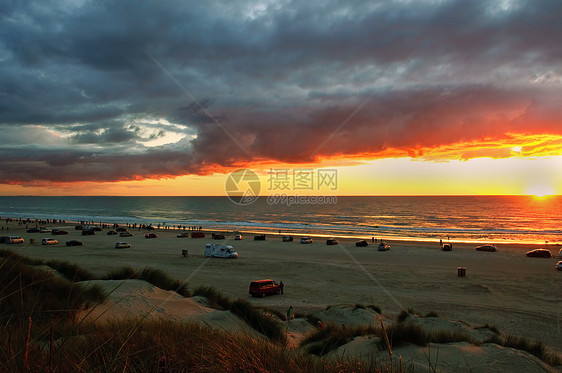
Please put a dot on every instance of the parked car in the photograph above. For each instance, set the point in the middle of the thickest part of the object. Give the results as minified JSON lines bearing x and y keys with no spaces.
{"x":49,"y":241}
{"x":558,"y":265}
{"x":218,"y":236}
{"x":306,"y":240}
{"x":384,"y":246}
{"x":539,"y":253}
{"x":44,"y":230}
{"x":197,"y":235}
{"x":79,"y":227}
{"x":56,"y":232}
{"x":74,"y":243}
{"x":111,"y":233}
{"x":238,"y":237}
{"x":361,"y":243}
{"x":287,"y":239}
{"x":88,"y":232}
{"x":490,"y":248}
{"x":125,"y":234}
{"x":13,"y":239}
{"x":121,"y":229}
{"x":261,"y":288}
{"x":183,"y":235}
{"x":122,"y":245}
{"x":33,"y":230}
{"x":259,"y":237}
{"x":332,"y":241}
{"x":150,"y":235}
{"x":447,"y":247}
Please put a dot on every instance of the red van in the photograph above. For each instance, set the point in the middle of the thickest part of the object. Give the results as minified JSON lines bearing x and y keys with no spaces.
{"x":261,"y":288}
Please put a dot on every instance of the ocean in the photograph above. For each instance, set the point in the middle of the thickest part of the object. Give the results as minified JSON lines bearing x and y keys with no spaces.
{"x":497,"y":219}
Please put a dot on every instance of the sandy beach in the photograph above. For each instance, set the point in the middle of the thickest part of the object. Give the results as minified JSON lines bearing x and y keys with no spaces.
{"x":516,"y":294}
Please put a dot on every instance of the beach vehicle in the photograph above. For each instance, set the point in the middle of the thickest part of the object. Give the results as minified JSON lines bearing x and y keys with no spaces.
{"x":447,"y":247}
{"x":218,"y":236}
{"x":183,"y":235}
{"x":558,"y":265}
{"x":490,"y":248}
{"x":238,"y":237}
{"x":539,"y":253}
{"x":361,"y":243}
{"x":79,"y":227}
{"x":14,"y":239}
{"x":220,"y":251}
{"x":560,"y":254}
{"x":287,"y":239}
{"x":261,"y":288}
{"x":44,"y":230}
{"x":306,"y":240}
{"x":74,"y":243}
{"x":88,"y":232}
{"x":259,"y":237}
{"x":332,"y":241}
{"x":197,"y":235}
{"x":33,"y":230}
{"x":384,"y":246}
{"x":125,"y":234}
{"x":57,"y":232}
{"x":49,"y":241}
{"x":150,"y":235}
{"x":111,"y":233}
{"x":121,"y":229}
{"x":122,"y":245}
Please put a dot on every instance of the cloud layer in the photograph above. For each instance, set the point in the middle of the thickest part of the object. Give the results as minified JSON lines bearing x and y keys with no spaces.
{"x":82,"y":100}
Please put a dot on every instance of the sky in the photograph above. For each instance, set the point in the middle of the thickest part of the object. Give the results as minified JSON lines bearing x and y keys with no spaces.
{"x":167,"y":98}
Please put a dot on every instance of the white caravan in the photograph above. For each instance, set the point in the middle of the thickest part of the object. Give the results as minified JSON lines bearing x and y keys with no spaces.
{"x":220,"y":251}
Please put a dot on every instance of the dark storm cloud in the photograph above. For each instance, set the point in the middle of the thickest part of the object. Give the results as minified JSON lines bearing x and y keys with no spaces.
{"x":82,"y":97}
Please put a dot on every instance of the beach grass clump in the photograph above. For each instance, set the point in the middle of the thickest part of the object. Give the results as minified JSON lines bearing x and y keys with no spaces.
{"x":445,"y":336}
{"x":156,"y":277}
{"x":534,"y":347}
{"x":431,"y":314}
{"x":28,"y":291}
{"x":19,"y":258}
{"x":167,"y":346}
{"x":404,"y":314}
{"x":215,"y":298}
{"x":401,"y":333}
{"x":323,"y":340}
{"x":258,"y":320}
{"x":71,"y":272}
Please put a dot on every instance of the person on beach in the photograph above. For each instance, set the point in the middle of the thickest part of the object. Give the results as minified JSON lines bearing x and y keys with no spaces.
{"x":281,"y":286}
{"x":289,"y":314}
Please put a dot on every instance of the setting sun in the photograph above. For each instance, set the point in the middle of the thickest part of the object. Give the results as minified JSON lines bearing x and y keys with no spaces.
{"x":540,"y":190}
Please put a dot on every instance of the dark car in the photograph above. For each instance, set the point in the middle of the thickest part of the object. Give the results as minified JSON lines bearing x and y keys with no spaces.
{"x":260,"y":237}
{"x":261,"y":288}
{"x":88,"y":232}
{"x":361,"y":243}
{"x":56,"y":232}
{"x":74,"y":243}
{"x":150,"y":235}
{"x":33,"y":230}
{"x":183,"y":235}
{"x":306,"y":240}
{"x":197,"y":235}
{"x":217,"y":236}
{"x":287,"y":239}
{"x":79,"y":227}
{"x":539,"y":253}
{"x":121,"y":229}
{"x":490,"y":248}
{"x":332,"y":241}
{"x":111,"y":233}
{"x":447,"y":247}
